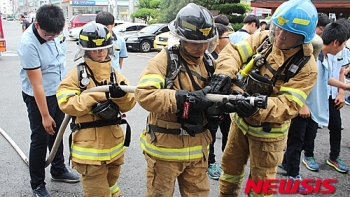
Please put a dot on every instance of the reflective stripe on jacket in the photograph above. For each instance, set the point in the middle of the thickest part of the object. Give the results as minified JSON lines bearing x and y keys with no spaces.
{"x":181,"y":154}
{"x":288,"y":97}
{"x":96,"y":144}
{"x":161,"y":103}
{"x":259,"y":131}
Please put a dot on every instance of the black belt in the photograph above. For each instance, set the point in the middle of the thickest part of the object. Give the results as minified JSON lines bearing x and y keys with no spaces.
{"x":180,"y":131}
{"x":102,"y":123}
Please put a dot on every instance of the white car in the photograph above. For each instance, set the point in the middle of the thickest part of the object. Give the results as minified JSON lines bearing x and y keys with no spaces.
{"x":128,"y":28}
{"x":74,"y":33}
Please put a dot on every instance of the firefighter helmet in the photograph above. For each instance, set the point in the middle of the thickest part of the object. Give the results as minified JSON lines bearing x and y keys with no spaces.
{"x":94,"y":36}
{"x":297,"y":16}
{"x":194,"y":23}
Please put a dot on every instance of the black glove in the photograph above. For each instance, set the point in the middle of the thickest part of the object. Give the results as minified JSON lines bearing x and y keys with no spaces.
{"x":226,"y":106}
{"x":243,"y":108}
{"x":196,"y":98}
{"x":220,"y":84}
{"x":115,"y":91}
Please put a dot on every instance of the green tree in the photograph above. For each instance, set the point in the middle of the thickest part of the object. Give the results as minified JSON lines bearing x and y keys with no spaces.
{"x":233,"y":9}
{"x":170,"y":8}
{"x":148,"y":9}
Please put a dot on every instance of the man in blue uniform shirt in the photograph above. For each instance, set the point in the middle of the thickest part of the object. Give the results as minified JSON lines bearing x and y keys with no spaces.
{"x":251,"y":24}
{"x":107,"y":19}
{"x":41,"y":51}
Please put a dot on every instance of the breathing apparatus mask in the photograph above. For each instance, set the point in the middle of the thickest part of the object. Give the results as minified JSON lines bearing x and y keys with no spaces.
{"x":106,"y":110}
{"x":255,"y":83}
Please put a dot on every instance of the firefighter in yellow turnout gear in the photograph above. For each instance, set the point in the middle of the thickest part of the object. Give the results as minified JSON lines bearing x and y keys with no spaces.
{"x":260,"y":134}
{"x":175,"y":146}
{"x":98,"y":144}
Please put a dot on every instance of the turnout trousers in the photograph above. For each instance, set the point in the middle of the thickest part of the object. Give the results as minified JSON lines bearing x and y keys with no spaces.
{"x":100,"y":180}
{"x":191,"y":176}
{"x":264,"y":153}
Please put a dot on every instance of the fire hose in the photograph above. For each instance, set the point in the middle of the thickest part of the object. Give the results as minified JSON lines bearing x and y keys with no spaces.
{"x":257,"y":101}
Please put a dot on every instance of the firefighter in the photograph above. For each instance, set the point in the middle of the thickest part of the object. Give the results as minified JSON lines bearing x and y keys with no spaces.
{"x":176,"y":140}
{"x":97,"y":148}
{"x":286,"y":71}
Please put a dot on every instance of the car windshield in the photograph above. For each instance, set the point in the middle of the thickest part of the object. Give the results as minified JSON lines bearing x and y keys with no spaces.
{"x":121,"y":27}
{"x":150,"y":29}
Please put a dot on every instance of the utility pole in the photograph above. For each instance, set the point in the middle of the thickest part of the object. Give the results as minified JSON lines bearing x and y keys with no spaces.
{"x":116,"y":9}
{"x":131,"y":9}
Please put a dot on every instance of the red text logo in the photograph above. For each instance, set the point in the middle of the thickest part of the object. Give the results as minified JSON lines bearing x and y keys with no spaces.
{"x":289,"y":186}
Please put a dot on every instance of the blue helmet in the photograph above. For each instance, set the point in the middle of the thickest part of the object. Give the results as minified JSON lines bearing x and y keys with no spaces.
{"x":297,"y":16}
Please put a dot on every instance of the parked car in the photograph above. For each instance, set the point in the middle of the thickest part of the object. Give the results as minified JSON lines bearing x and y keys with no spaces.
{"x":143,"y":40}
{"x":161,"y":41}
{"x":80,"y":20}
{"x":10,"y":18}
{"x":128,"y":28}
{"x":74,"y":33}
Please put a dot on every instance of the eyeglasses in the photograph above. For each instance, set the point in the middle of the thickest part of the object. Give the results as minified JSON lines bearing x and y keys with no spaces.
{"x":51,"y":36}
{"x":47,"y":36}
{"x":224,"y":37}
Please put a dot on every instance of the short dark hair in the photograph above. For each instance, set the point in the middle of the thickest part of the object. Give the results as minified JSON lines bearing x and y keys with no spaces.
{"x":249,"y":19}
{"x":263,"y":23}
{"x":50,"y":18}
{"x":105,"y":18}
{"x":222,"y":19}
{"x":22,"y":16}
{"x":221,"y":29}
{"x":346,"y":24}
{"x":334,"y":31}
{"x":323,"y":19}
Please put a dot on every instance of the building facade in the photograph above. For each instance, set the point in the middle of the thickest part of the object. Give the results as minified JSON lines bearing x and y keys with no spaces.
{"x":340,"y":8}
{"x":7,"y":7}
{"x":73,"y":7}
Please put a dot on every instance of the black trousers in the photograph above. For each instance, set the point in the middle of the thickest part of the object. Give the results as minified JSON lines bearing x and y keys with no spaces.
{"x":224,"y":128}
{"x":302,"y":131}
{"x":334,"y":127}
{"x":41,"y":140}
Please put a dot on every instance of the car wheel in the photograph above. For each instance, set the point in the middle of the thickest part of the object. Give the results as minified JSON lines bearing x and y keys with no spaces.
{"x":145,"y":46}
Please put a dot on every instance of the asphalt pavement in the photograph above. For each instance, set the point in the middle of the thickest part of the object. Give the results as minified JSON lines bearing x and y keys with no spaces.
{"x":13,"y":120}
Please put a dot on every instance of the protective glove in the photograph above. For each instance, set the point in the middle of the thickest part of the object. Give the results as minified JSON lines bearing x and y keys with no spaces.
{"x":197,"y":99}
{"x":220,"y":84}
{"x":115,"y":91}
{"x":244,"y":108}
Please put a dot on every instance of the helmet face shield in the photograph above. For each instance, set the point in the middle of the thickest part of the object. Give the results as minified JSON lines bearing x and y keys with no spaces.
{"x":284,"y":39}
